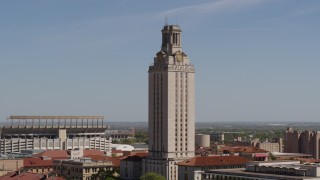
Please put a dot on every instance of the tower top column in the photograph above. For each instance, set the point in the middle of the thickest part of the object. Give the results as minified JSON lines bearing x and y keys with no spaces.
{"x":171,"y":39}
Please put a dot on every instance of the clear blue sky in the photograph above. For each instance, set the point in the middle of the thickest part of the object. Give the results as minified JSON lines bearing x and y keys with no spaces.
{"x":256,"y":60}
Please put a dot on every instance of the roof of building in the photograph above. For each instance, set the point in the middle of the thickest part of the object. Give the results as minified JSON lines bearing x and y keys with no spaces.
{"x":140,"y":146}
{"x":36,"y":162}
{"x":26,"y":176}
{"x":116,"y":151}
{"x":135,"y":157}
{"x":132,"y":158}
{"x":307,"y":160}
{"x":21,"y":176}
{"x":115,"y":161}
{"x":242,"y":173}
{"x":214,"y":161}
{"x":53,"y":153}
{"x":123,"y":147}
{"x":87,"y":152}
{"x":291,"y":154}
{"x":142,"y":154}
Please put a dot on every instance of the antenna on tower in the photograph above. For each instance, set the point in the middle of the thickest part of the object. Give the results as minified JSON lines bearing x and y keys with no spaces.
{"x":165,"y":20}
{"x":177,"y":20}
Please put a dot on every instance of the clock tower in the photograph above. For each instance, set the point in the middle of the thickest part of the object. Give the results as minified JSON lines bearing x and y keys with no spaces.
{"x":171,"y":107}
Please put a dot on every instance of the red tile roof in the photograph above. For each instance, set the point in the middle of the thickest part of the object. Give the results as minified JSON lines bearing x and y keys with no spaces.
{"x":92,"y":152}
{"x":214,"y":161}
{"x":36,"y":162}
{"x":27,"y":176}
{"x":142,"y":154}
{"x":53,"y":153}
{"x":21,"y":176}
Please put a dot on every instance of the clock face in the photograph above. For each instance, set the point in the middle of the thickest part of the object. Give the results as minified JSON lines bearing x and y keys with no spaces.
{"x":179,"y":57}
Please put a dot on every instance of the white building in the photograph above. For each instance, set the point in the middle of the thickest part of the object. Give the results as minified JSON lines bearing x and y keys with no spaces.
{"x":122,"y":147}
{"x":54,"y":132}
{"x":171,"y":107}
{"x":277,"y":170}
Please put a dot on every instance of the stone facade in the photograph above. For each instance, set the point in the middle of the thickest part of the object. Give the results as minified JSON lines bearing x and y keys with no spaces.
{"x":171,"y":106}
{"x":82,"y":168}
{"x":307,"y":142}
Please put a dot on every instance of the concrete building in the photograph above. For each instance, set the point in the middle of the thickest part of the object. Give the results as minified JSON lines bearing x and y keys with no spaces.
{"x":82,"y":168}
{"x":54,"y":132}
{"x":131,"y":166}
{"x":122,"y":147}
{"x":9,"y":165}
{"x":202,"y":140}
{"x":217,"y":137}
{"x":171,"y":107}
{"x":187,"y":168}
{"x":276,"y":145}
{"x":120,"y":134}
{"x":39,"y":165}
{"x":249,"y":152}
{"x":270,"y":146}
{"x":277,"y":170}
{"x":307,"y":142}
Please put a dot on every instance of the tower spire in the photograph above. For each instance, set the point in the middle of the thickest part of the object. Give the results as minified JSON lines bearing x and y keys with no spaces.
{"x":165,"y":20}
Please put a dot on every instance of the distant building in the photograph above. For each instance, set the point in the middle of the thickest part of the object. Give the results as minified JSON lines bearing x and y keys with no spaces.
{"x":187,"y":168}
{"x":131,"y":166}
{"x":276,"y":145}
{"x":122,"y":147}
{"x":25,"y":175}
{"x":140,"y":147}
{"x":120,"y":134}
{"x":292,"y":156}
{"x":9,"y":165}
{"x":54,"y":132}
{"x":217,"y":137}
{"x":202,"y":140}
{"x":276,"y":170}
{"x":38,"y":165}
{"x":306,"y":142}
{"x":82,"y":168}
{"x":249,"y":152}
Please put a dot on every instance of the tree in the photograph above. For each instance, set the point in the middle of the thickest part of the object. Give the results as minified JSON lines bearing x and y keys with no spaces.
{"x":109,"y":174}
{"x":272,"y":157}
{"x":152,"y":176}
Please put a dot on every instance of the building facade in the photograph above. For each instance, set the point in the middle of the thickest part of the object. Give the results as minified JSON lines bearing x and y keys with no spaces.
{"x":307,"y":142}
{"x":277,"y":170}
{"x":188,"y":167}
{"x":171,"y":107}
{"x":54,"y":132}
{"x":82,"y":168}
{"x":131,"y":166}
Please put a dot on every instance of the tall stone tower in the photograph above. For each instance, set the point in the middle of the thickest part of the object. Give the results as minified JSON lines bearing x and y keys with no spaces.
{"x":171,"y":106}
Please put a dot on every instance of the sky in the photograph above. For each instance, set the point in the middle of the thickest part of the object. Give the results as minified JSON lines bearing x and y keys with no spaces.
{"x":255,"y":60}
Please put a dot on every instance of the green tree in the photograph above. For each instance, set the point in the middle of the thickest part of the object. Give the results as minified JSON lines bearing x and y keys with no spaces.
{"x":152,"y":176}
{"x":106,"y":174}
{"x":272,"y":157}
